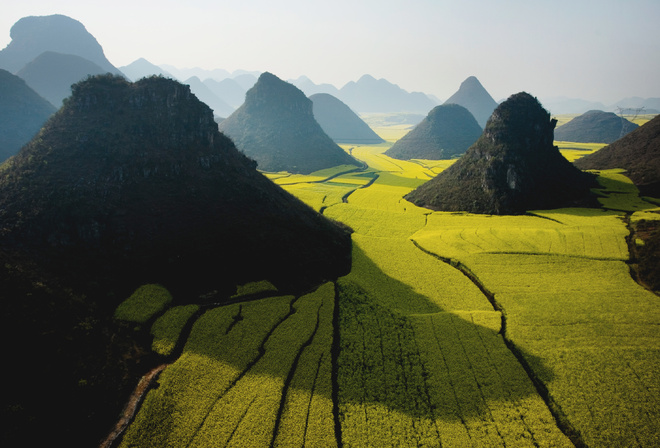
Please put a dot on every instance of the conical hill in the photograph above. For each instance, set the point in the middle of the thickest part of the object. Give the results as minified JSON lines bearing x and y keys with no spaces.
{"x":637,"y":152}
{"x":475,"y":98}
{"x":513,"y":167}
{"x":276,"y":127}
{"x":446,"y":132}
{"x":132,"y":182}
{"x":340,"y":123}
{"x":594,"y":126}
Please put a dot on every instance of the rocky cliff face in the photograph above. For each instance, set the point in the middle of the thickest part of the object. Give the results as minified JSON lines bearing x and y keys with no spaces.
{"x":513,"y":167}
{"x":134,"y":181}
{"x":276,"y":127}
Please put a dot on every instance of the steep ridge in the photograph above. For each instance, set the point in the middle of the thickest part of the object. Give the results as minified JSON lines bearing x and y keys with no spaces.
{"x":474,"y":97}
{"x":595,"y":126}
{"x":513,"y":167}
{"x":22,"y":113}
{"x":340,"y":123}
{"x":637,"y":152}
{"x":276,"y":127}
{"x":132,"y":182}
{"x":446,"y":132}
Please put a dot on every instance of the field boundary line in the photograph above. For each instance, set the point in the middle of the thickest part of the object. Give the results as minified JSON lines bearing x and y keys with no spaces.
{"x":561,"y":420}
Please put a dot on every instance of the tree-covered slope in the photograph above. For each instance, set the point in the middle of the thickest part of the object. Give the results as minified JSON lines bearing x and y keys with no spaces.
{"x":446,"y":132}
{"x":276,"y":127}
{"x":513,"y":167}
{"x":637,"y":152}
{"x":134,"y":179}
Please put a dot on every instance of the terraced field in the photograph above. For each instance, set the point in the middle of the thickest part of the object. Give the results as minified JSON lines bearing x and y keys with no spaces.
{"x":451,"y":330}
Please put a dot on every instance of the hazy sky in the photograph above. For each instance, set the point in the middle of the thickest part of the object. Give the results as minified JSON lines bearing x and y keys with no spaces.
{"x":601,"y":50}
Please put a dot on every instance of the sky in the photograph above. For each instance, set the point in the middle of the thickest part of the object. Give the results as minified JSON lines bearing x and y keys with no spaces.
{"x":603,"y":50}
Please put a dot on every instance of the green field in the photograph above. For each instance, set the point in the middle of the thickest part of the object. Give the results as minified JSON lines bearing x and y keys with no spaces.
{"x":451,"y":330}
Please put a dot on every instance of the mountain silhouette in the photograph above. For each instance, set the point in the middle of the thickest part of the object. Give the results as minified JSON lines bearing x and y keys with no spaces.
{"x":276,"y":127}
{"x":369,"y":94}
{"x":340,"y":122}
{"x":446,"y":132}
{"x":34,"y":35}
{"x":309,"y":88}
{"x":228,"y":90}
{"x":141,"y":68}
{"x":22,"y":113}
{"x":637,"y":152}
{"x":130,"y":183}
{"x":513,"y":167}
{"x":51,"y":74}
{"x":474,"y":97}
{"x":594,"y":126}
{"x":205,"y":94}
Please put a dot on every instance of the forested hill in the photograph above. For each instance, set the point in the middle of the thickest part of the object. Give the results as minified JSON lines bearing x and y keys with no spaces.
{"x":276,"y":127}
{"x":513,"y":167}
{"x":135,"y":179}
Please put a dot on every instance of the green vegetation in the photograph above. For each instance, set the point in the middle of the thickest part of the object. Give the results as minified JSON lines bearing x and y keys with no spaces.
{"x":143,"y":304}
{"x":167,"y":328}
{"x":452,"y":330}
{"x":251,"y":374}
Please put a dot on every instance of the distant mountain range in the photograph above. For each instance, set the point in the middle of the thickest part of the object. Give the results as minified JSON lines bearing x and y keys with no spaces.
{"x":340,"y":123}
{"x":563,"y":105}
{"x":224,"y":91}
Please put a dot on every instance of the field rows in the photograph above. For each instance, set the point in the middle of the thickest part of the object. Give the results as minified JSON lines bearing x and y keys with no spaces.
{"x":423,"y":356}
{"x":437,"y":379}
{"x":251,"y":374}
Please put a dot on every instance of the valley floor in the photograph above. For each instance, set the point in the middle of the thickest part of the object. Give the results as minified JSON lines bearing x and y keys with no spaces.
{"x":451,"y":330}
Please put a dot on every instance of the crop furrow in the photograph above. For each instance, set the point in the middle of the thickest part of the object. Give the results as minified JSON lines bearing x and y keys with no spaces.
{"x":560,"y":418}
{"x":292,"y":371}
{"x":261,"y":351}
{"x":238,"y":423}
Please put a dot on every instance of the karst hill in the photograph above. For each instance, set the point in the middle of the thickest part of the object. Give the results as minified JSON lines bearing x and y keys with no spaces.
{"x":340,"y":122}
{"x":637,"y":152}
{"x":446,"y":132}
{"x":475,"y":98}
{"x":513,"y":167}
{"x":34,"y":35}
{"x":133,"y":182}
{"x":595,"y":126}
{"x":276,"y":127}
{"x":53,"y":52}
{"x":22,"y":113}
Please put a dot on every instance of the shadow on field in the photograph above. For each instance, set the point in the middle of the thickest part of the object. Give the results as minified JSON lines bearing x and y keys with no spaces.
{"x":397,"y":367}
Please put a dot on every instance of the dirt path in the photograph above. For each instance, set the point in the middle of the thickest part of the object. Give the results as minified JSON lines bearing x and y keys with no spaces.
{"x":131,"y":407}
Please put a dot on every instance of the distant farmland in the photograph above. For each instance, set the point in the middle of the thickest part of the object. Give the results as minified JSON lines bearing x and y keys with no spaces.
{"x":451,"y":330}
